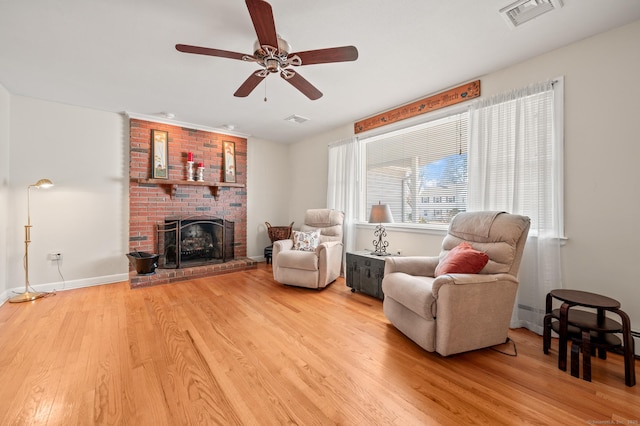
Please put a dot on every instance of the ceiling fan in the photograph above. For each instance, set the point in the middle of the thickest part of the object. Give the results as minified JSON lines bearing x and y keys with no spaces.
{"x":272,"y":53}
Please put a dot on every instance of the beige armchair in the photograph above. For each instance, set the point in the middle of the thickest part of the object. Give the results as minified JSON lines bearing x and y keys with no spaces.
{"x":316,"y":268}
{"x":459,"y":312}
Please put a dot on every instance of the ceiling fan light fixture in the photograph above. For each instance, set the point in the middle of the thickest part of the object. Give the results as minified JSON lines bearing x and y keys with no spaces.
{"x":522,"y":11}
{"x":272,"y":64}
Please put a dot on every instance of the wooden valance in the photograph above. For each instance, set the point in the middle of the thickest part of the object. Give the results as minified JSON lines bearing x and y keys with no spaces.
{"x":431,"y":103}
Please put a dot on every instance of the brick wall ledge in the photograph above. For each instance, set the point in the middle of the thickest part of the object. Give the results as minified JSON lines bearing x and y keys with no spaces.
{"x":167,"y":276}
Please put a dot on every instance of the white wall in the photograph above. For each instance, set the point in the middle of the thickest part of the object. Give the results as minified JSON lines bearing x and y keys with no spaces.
{"x":601,"y":158}
{"x":4,"y":185}
{"x":85,"y":215}
{"x":268,"y":192}
{"x":601,"y":162}
{"x":309,"y":167}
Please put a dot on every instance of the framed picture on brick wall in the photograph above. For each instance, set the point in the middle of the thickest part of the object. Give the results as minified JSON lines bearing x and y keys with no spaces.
{"x":159,"y":154}
{"x":229,"y":150}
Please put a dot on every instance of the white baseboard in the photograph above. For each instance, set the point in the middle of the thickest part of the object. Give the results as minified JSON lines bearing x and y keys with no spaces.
{"x":67,"y":285}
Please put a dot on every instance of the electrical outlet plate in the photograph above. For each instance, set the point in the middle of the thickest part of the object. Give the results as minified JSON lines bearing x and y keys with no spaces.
{"x":55,"y":256}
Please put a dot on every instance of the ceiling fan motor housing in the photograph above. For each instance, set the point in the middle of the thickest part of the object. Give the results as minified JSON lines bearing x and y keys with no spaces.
{"x":283,"y":49}
{"x":273,"y":60}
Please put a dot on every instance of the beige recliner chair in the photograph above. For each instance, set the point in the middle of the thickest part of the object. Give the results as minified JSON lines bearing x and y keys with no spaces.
{"x":459,"y":312}
{"x":320,"y":266}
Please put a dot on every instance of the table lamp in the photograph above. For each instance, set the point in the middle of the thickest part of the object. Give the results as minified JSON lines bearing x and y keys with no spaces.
{"x":380,"y":213}
{"x":28,"y":296}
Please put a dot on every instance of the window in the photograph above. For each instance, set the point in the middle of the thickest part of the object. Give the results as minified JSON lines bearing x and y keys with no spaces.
{"x":424,"y":174}
{"x":420,"y":171}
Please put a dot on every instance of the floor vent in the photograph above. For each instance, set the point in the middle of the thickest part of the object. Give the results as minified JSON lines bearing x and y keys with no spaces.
{"x":523,"y":11}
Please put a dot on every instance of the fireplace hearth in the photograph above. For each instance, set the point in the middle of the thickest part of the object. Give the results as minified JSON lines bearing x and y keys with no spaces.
{"x":195,"y":241}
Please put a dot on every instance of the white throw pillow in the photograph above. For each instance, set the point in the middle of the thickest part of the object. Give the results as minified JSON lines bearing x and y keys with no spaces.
{"x":305,"y":241}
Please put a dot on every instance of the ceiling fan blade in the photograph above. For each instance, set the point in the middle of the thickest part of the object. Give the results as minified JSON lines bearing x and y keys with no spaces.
{"x":308,"y":89}
{"x":323,"y":56}
{"x":262,"y":18}
{"x":248,"y":85}
{"x":210,"y":52}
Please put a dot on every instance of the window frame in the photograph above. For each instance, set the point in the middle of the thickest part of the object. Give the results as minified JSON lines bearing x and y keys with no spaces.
{"x":412,"y":227}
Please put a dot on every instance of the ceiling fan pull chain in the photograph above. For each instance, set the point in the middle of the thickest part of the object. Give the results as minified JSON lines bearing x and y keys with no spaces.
{"x":265,"y":90}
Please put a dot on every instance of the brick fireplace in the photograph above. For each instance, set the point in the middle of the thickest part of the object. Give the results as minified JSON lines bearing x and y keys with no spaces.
{"x":152,"y":201}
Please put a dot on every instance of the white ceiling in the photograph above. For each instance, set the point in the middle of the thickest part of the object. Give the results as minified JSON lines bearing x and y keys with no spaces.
{"x":119,"y":55}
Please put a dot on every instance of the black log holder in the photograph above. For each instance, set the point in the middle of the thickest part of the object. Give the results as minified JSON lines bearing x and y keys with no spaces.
{"x":144,"y":263}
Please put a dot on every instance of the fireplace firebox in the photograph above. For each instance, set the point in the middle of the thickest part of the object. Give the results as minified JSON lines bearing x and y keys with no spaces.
{"x":195,"y":241}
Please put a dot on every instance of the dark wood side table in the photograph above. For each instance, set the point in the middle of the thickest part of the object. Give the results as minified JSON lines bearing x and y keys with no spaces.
{"x":593,"y":328}
{"x":365,"y":272}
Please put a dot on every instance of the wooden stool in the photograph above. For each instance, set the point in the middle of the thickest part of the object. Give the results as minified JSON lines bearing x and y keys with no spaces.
{"x":588,"y":331}
{"x":588,"y":346}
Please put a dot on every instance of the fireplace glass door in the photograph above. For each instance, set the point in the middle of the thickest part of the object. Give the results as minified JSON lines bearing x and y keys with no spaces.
{"x":195,"y":241}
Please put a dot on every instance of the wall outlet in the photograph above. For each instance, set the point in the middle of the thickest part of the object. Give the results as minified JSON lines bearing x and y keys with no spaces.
{"x":55,"y":256}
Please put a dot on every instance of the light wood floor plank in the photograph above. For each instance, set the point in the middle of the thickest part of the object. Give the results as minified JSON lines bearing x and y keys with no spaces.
{"x":241,"y":349}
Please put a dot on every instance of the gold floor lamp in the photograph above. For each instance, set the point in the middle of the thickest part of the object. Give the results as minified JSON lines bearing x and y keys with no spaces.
{"x":29,"y":295}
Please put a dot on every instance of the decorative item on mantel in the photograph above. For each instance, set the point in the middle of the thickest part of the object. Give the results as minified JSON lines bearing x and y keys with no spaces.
{"x":159,"y":154}
{"x":190,"y":166}
{"x":229,"y":149}
{"x":200,"y":177}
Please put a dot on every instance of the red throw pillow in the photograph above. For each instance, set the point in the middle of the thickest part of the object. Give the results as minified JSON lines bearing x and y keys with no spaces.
{"x":462,"y":259}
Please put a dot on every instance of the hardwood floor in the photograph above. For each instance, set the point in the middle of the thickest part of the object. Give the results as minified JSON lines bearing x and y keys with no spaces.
{"x":242,"y":349}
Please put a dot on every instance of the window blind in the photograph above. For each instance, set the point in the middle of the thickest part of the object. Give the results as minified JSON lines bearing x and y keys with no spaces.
{"x":420,"y":171}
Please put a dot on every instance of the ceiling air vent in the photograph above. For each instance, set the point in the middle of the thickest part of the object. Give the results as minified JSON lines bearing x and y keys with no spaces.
{"x":296,"y":119}
{"x":519,"y":12}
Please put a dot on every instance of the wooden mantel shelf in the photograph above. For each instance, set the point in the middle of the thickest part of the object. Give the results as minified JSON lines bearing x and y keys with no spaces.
{"x":173,"y":184}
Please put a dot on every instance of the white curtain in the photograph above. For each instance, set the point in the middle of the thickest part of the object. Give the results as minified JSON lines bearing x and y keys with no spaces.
{"x":342,"y":188}
{"x":515,"y":165}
